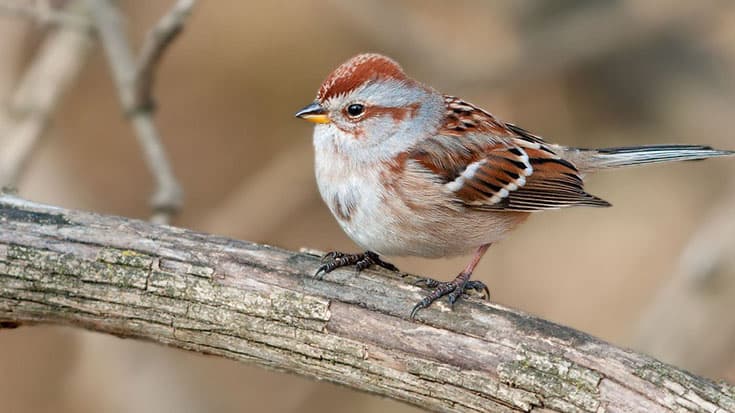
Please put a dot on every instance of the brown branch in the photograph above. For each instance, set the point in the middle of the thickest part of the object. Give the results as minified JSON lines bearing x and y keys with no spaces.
{"x":156,"y":42}
{"x":43,"y":13}
{"x":108,"y":20}
{"x":259,"y":304}
{"x":57,"y":64}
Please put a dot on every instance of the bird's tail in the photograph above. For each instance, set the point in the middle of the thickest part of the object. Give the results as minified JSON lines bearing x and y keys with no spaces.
{"x":638,"y":155}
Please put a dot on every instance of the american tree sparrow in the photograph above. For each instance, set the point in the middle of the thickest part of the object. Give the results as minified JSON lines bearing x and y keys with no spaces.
{"x":406,"y":170}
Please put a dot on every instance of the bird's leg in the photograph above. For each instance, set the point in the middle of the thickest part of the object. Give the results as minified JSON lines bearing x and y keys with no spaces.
{"x":333,"y":260}
{"x":455,"y":288}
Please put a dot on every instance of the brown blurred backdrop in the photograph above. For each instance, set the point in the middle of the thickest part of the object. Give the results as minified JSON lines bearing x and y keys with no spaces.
{"x":584,"y":73}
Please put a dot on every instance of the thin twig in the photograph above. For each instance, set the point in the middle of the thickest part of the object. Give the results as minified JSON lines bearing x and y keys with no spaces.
{"x":260,"y":304}
{"x":43,"y":13}
{"x":167,"y":198}
{"x":57,"y":64}
{"x":156,"y":42}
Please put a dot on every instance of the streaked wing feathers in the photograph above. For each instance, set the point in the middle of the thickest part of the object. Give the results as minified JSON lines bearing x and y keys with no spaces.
{"x":492,"y":165}
{"x":492,"y":178}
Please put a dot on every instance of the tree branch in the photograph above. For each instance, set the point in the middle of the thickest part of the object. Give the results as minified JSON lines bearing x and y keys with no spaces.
{"x":156,"y":42}
{"x":259,"y":304}
{"x":108,"y":21}
{"x":43,"y":13}
{"x":57,"y":64}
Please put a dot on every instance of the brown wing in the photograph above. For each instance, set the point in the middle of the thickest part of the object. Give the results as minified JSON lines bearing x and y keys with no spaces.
{"x":554,"y":183}
{"x":492,"y":165}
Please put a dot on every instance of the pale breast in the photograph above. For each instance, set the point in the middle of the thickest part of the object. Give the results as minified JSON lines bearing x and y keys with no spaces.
{"x":353,"y":196}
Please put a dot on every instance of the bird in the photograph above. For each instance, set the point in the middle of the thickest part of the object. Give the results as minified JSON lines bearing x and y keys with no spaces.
{"x":408,"y":171}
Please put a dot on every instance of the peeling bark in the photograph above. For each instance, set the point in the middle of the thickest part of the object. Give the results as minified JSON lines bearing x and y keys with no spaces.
{"x":259,"y":304}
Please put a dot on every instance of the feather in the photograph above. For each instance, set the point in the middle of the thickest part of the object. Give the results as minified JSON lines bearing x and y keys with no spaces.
{"x":491,"y":165}
{"x":638,"y":155}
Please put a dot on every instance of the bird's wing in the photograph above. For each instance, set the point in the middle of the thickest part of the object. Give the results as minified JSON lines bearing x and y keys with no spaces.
{"x":492,"y":165}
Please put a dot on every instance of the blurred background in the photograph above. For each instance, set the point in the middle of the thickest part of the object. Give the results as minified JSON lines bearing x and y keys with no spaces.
{"x":656,"y":273}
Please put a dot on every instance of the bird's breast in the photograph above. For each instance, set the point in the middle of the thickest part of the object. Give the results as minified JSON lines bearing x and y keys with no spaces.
{"x":355,"y":196}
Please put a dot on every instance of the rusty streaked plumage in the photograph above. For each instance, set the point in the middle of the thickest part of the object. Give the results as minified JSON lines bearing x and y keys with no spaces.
{"x":406,"y":170}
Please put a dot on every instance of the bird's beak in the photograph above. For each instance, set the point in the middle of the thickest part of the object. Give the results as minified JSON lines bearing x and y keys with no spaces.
{"x":314,"y":112}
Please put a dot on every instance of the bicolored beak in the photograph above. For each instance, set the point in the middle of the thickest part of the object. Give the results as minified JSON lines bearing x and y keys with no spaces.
{"x":313,"y":112}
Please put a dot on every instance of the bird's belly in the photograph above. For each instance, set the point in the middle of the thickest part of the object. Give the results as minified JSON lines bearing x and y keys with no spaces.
{"x":414,"y":236}
{"x":390,"y":226}
{"x":411,"y":217}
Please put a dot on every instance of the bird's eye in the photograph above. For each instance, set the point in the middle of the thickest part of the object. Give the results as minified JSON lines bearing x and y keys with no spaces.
{"x":355,"y":110}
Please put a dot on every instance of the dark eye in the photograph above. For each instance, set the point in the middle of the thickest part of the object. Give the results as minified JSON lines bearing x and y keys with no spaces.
{"x":355,"y":110}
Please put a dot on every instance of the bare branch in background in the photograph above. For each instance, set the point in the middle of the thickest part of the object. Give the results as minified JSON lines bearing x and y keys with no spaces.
{"x":690,"y":323}
{"x":58,"y":62}
{"x":167,"y":198}
{"x":156,"y":42}
{"x":61,"y":59}
{"x":260,"y":305}
{"x":41,"y":12}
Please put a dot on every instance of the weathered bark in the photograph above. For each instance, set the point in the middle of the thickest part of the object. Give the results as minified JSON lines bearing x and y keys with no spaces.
{"x":259,"y":304}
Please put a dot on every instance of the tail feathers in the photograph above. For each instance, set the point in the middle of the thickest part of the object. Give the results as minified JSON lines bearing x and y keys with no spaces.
{"x":639,"y":155}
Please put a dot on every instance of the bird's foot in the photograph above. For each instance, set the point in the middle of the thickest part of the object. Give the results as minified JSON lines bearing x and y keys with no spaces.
{"x":453,"y":290}
{"x":333,"y":260}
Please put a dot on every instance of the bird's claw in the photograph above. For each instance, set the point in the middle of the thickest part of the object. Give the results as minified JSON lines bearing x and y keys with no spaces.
{"x":372,"y":258}
{"x":335,"y":259}
{"x":453,"y":290}
{"x":331,"y":255}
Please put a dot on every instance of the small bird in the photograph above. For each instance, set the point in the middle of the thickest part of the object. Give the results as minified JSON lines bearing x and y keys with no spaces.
{"x":408,"y":171}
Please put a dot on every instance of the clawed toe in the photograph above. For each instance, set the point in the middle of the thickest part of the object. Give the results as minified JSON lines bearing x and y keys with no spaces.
{"x":334,"y":259}
{"x":330,"y":262}
{"x":428,"y":282}
{"x":323,"y":269}
{"x":453,"y":290}
{"x":478,"y":286}
{"x":374,"y":259}
{"x":331,"y":256}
